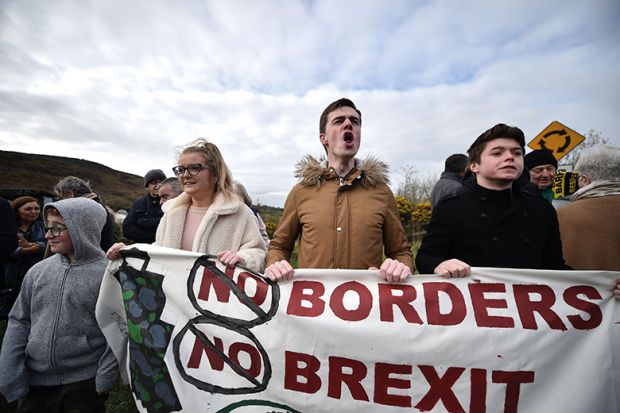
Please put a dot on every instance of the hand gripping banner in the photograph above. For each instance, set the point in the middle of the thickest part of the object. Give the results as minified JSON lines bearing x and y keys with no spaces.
{"x":194,"y":336}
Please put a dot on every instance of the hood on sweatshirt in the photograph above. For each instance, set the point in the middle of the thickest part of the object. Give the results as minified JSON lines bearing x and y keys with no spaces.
{"x":84,"y":218}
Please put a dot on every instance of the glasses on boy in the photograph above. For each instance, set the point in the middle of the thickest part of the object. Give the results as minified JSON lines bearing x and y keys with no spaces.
{"x":56,"y":231}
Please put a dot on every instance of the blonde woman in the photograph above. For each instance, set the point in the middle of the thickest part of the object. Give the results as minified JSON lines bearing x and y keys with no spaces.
{"x":208,"y":217}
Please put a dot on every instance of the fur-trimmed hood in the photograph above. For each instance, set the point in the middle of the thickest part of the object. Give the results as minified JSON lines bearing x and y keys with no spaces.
{"x":312,"y":171}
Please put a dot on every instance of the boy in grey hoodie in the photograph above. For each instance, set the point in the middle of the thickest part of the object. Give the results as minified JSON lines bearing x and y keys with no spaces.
{"x":54,"y":357}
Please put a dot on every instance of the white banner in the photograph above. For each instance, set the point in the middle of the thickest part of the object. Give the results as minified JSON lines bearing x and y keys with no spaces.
{"x":195,"y":336}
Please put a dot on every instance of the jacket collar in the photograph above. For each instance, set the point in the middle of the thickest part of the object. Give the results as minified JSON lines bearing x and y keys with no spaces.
{"x":370,"y":171}
{"x":220,"y":206}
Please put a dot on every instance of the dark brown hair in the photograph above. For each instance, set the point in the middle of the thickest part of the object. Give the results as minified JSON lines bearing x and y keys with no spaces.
{"x":342,"y":102}
{"x":17,"y":203}
{"x":496,"y":132}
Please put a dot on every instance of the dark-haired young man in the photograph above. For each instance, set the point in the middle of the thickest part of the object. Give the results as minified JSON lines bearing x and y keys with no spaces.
{"x":342,"y":209}
{"x":493,"y":223}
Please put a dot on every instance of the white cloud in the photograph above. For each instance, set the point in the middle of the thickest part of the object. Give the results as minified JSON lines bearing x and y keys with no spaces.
{"x":125,"y":83}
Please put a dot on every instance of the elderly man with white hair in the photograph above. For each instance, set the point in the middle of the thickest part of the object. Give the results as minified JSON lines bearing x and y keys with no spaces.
{"x":590,"y":223}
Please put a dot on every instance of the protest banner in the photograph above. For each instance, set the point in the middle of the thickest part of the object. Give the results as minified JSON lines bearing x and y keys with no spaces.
{"x":195,"y":336}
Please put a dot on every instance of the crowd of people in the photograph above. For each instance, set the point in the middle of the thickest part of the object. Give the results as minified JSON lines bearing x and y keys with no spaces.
{"x":488,"y":211}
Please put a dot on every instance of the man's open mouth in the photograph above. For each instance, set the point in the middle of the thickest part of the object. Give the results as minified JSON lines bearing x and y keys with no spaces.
{"x":348,"y":136}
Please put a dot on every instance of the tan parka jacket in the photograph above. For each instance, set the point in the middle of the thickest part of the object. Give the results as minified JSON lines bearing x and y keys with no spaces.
{"x":341,"y":222}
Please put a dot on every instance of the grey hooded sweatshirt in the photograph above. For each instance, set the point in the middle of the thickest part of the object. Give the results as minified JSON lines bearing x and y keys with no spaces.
{"x":53,"y":337}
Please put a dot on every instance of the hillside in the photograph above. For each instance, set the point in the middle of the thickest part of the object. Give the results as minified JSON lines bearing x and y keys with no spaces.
{"x":41,"y":172}
{"x":118,"y":189}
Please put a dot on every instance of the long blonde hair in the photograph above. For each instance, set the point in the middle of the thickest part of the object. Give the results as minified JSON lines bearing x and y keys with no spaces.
{"x":215,"y":161}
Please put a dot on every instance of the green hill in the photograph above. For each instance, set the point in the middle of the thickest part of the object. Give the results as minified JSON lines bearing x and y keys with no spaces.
{"x":117,"y":189}
{"x":41,"y":172}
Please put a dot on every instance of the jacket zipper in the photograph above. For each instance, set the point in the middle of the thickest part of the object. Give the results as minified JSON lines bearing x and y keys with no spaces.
{"x":57,"y":318}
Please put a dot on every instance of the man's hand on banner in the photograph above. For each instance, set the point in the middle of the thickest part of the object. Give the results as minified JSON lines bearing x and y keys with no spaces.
{"x":279,"y":271}
{"x":453,"y":268}
{"x":230,"y":258}
{"x":617,"y":290}
{"x":393,"y":271}
{"x":114,"y":252}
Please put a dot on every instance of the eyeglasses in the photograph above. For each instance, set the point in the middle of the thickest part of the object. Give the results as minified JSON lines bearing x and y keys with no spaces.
{"x":193,"y":169}
{"x":56,"y":231}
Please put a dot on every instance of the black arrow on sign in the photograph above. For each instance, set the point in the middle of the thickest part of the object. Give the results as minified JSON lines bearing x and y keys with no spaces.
{"x":555,"y":132}
{"x":562,"y":148}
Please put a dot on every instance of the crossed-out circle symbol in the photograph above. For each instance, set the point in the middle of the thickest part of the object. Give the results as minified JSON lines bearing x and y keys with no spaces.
{"x":196,"y":327}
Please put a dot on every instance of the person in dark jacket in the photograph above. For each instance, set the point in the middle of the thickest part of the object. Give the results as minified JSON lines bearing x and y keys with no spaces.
{"x":31,"y":241}
{"x":493,"y":223}
{"x":543,"y":167}
{"x":8,"y":244}
{"x":8,"y":229}
{"x":74,"y":187}
{"x":141,"y":223}
{"x":451,"y":180}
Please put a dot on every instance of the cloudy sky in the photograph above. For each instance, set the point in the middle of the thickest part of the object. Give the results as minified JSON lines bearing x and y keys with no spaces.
{"x":125,"y":82}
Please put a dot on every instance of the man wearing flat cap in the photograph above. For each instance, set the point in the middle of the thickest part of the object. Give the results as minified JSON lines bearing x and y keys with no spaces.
{"x":141,"y":223}
{"x":543,"y":167}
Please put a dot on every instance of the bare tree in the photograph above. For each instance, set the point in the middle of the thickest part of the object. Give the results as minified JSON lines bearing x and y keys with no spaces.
{"x":593,"y":137}
{"x":415,"y":187}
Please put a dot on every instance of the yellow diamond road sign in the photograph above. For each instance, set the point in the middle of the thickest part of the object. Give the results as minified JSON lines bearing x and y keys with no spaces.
{"x":558,"y":139}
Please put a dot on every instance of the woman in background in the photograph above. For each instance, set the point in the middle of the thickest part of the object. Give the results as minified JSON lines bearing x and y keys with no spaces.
{"x":245,"y":197}
{"x":30,"y":240}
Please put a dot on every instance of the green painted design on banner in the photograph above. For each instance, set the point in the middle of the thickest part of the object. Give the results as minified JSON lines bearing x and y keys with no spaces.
{"x":134,"y":332}
{"x":281,"y":408}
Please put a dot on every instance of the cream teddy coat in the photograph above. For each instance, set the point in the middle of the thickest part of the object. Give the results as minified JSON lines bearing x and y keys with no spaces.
{"x":228,"y":225}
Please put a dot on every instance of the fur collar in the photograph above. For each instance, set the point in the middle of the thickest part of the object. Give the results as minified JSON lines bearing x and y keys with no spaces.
{"x":312,"y":171}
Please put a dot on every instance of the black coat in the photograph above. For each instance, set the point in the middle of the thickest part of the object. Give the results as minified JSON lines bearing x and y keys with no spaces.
{"x":486,"y":228}
{"x":8,"y":229}
{"x":140,"y":225}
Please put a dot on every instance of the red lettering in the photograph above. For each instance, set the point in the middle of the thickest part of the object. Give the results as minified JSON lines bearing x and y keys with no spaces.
{"x":293,"y":372}
{"x":433,"y":312}
{"x":261,"y":287}
{"x":571,"y":297}
{"x":353,"y":380}
{"x":513,"y":380}
{"x":481,"y":304}
{"x":527,"y":307}
{"x":364,"y":295}
{"x":215,"y":357}
{"x":478,"y":395}
{"x":298,"y":296}
{"x":383,"y":382}
{"x":441,"y":389}
{"x":250,"y":350}
{"x":209,"y":279}
{"x":387,"y":300}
